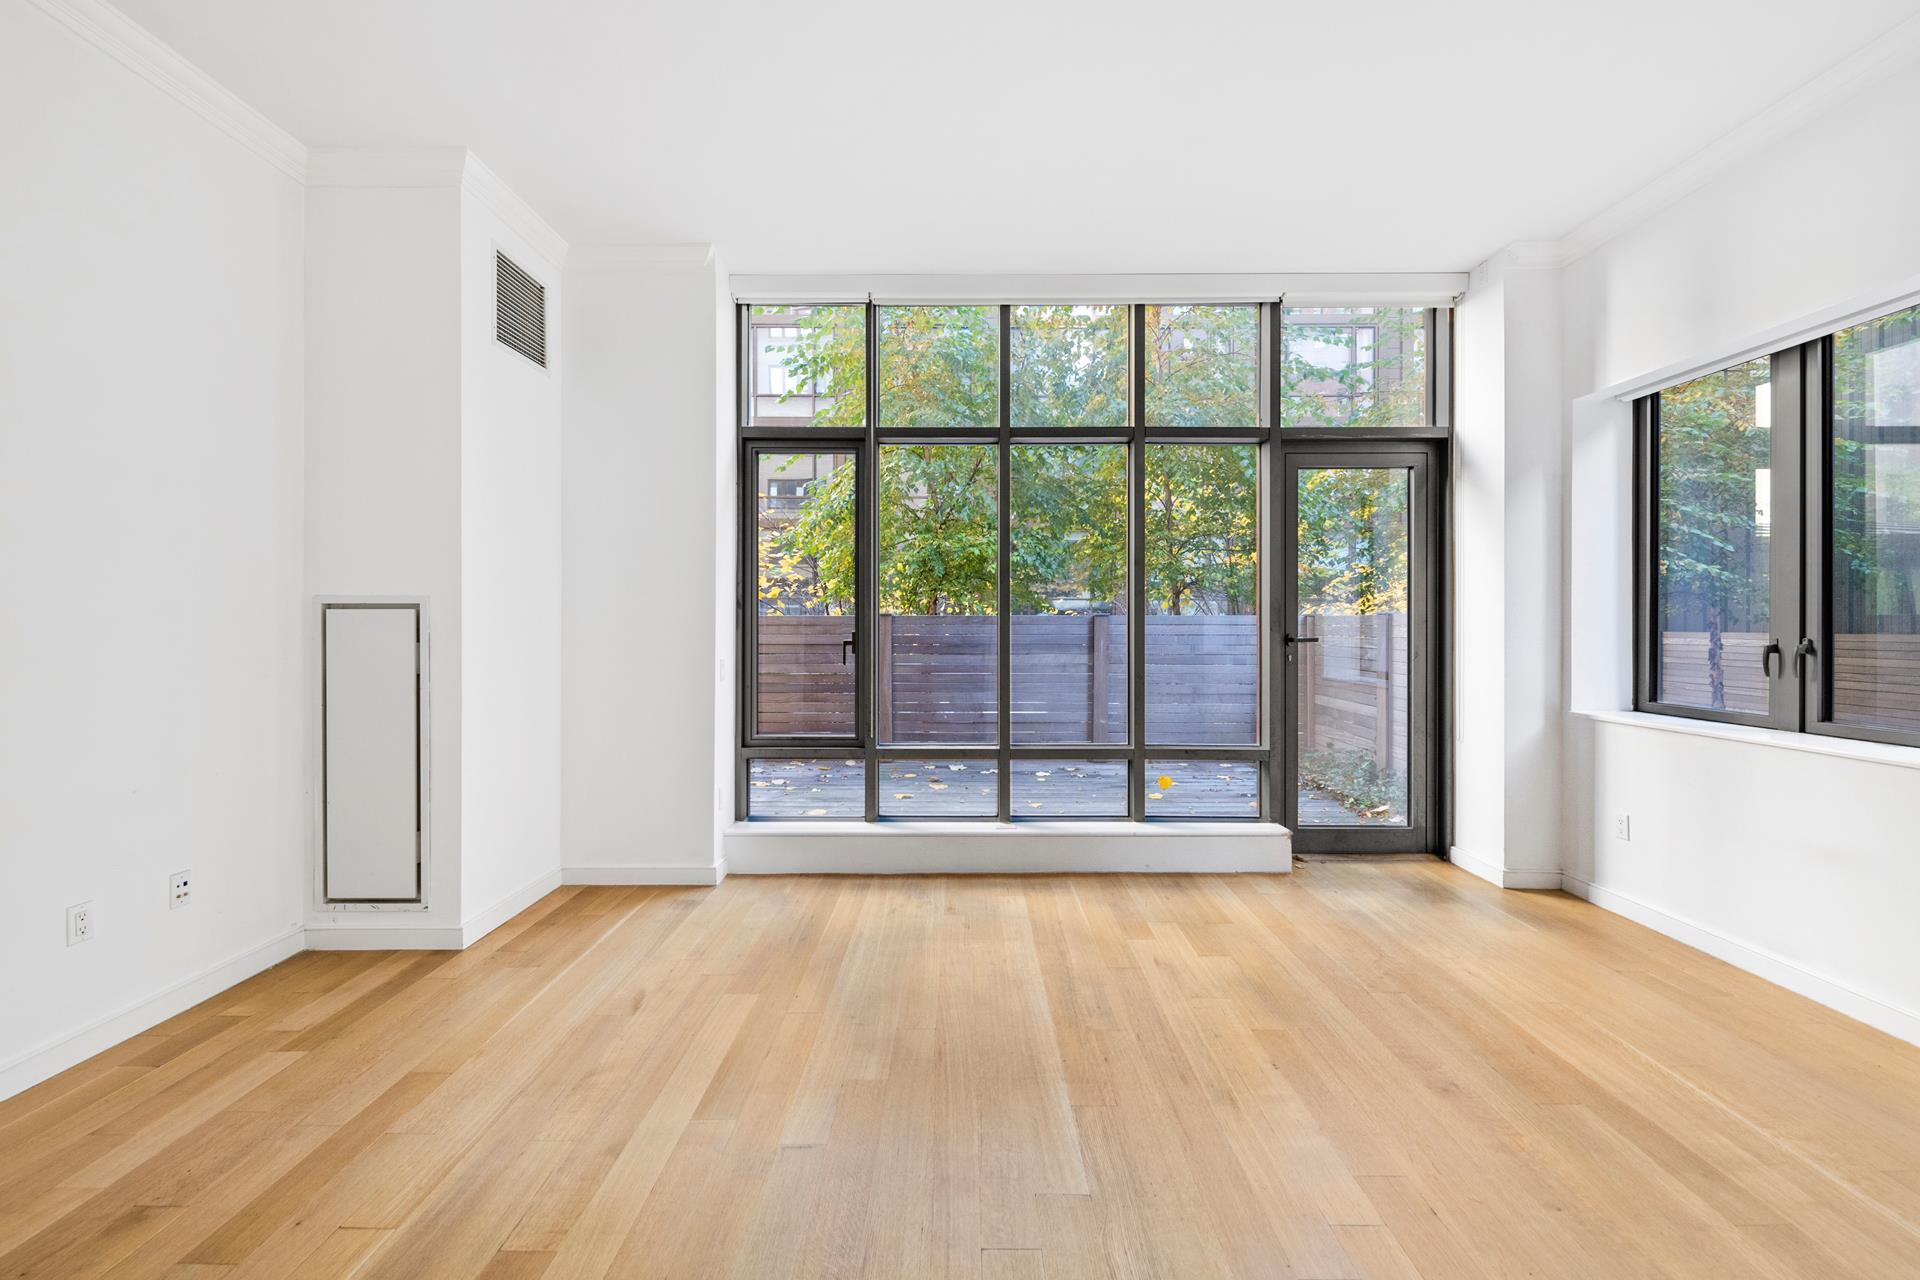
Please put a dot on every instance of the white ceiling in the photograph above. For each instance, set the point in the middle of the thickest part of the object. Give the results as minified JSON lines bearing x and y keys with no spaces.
{"x":1037,"y":135}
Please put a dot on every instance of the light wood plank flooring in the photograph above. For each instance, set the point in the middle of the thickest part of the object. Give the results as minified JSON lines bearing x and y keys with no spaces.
{"x":1380,"y":1070}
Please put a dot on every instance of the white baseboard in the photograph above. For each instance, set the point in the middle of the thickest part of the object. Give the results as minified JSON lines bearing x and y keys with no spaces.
{"x":688,"y":873}
{"x":481,"y":923}
{"x":958,"y":848}
{"x":1895,"y":1021}
{"x":49,"y":1059}
{"x":1507,"y":878}
{"x":398,"y":936}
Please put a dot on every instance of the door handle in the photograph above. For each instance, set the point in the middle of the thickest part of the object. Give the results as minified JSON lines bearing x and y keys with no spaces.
{"x":1801,"y":652}
{"x":1767,"y":655}
{"x":847,"y":646}
{"x":1293,"y":640}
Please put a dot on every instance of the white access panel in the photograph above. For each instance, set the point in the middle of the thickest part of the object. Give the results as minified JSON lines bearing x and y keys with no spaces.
{"x":370,"y":700}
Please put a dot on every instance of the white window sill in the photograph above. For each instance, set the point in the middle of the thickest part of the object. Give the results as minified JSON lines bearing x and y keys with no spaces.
{"x":1781,"y":739}
{"x":910,"y":829}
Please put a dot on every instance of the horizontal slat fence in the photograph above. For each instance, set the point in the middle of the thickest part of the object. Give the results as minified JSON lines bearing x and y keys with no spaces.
{"x":937,"y":678}
{"x":1353,"y":685}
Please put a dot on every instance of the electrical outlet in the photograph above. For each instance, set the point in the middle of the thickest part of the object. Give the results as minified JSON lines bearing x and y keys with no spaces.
{"x":1622,"y":827}
{"x":180,"y":885}
{"x":79,"y":923}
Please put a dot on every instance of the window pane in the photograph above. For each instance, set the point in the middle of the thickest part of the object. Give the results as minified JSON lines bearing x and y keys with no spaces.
{"x":1875,"y":603}
{"x":806,"y":789}
{"x":1203,"y":789}
{"x":1353,"y":366}
{"x":1203,"y":629}
{"x":1069,"y":788}
{"x":1069,"y":627}
{"x":803,"y":661}
{"x":939,"y":789}
{"x":1714,"y":521}
{"x":939,"y":366}
{"x":1069,"y":366}
{"x":939,"y":563}
{"x":1351,"y":682}
{"x":1203,"y":366}
{"x":809,"y":366}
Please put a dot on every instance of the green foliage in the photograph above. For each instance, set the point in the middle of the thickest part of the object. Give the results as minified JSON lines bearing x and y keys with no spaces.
{"x":936,"y":513}
{"x":1202,"y":527}
{"x":939,"y":534}
{"x":830,"y":354}
{"x":939,"y":366}
{"x":1387,"y":390}
{"x":1712,"y":569}
{"x":1203,"y":366}
{"x":1353,"y":539}
{"x":1069,"y":366}
{"x":1068,"y":526}
{"x":806,"y":563}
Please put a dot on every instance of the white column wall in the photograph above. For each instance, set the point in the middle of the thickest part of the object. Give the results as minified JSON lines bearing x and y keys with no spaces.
{"x":643,"y":511}
{"x":510,"y":571}
{"x":1507,"y":560}
{"x":383,"y":464}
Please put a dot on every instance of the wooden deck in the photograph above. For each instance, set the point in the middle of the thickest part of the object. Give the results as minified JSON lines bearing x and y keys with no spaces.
{"x":1391,"y":1071}
{"x":835,"y":788}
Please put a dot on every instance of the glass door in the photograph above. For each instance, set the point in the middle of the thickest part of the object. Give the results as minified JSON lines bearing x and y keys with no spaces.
{"x":1355,"y":769}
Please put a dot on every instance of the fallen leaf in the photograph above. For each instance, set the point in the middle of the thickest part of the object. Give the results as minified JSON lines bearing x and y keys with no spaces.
{"x":1163,"y":782}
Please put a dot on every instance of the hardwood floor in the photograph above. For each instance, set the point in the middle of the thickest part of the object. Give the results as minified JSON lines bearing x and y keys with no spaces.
{"x":1380,"y":1070}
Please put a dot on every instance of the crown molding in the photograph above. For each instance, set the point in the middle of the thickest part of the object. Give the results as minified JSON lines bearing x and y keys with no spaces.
{"x":484,"y":185}
{"x":1891,"y":52}
{"x":640,"y":257}
{"x":140,"y":51}
{"x":386,"y":166}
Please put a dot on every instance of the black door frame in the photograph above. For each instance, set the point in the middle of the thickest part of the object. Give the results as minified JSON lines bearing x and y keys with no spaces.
{"x":1427,"y":597}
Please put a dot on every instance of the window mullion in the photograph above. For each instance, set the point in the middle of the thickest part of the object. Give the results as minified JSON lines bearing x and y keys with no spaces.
{"x":1816,"y":540}
{"x":866,"y":571}
{"x":1137,"y":568}
{"x":1005,"y":594}
{"x":1786,"y":449}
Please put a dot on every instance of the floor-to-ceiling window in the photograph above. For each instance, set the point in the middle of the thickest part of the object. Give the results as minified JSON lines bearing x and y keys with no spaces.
{"x":1026,"y":561}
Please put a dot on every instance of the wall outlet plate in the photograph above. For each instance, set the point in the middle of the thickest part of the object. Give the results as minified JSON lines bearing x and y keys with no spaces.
{"x":1622,"y":827}
{"x":79,"y":923}
{"x":180,"y":886}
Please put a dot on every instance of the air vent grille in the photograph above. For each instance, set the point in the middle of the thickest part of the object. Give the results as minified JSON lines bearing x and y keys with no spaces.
{"x":520,"y":307}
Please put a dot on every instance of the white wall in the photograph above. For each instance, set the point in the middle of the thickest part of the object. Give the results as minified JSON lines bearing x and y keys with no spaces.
{"x":510,"y":450}
{"x":642,"y":636}
{"x":383,"y":454}
{"x":1507,"y":562}
{"x":150,"y":516}
{"x":1804,"y":866}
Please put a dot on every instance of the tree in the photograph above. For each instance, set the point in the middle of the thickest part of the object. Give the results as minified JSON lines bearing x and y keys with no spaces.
{"x":1353,"y":538}
{"x":1364,"y":367}
{"x":1714,"y":441}
{"x":938,"y":366}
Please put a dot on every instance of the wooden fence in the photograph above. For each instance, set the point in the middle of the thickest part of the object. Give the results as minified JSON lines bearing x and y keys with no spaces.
{"x":937,"y":680}
{"x":1875,"y":677}
{"x":1353,"y":685}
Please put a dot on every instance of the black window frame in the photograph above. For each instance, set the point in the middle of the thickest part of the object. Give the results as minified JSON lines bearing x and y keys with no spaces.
{"x":1800,"y":553}
{"x":1266,"y":434}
